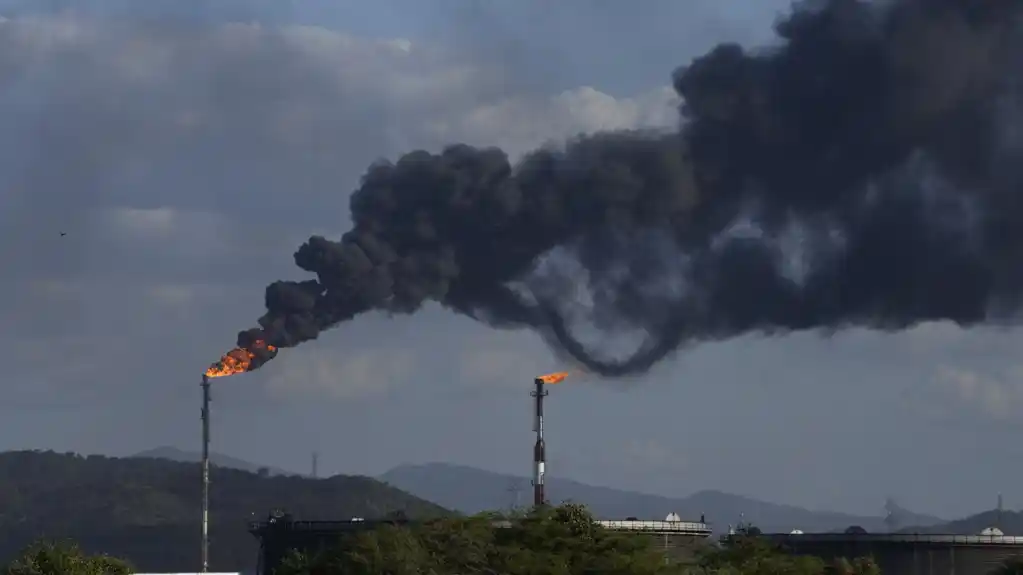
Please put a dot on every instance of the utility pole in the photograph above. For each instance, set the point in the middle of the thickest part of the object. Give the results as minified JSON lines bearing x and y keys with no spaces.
{"x":514,"y":490}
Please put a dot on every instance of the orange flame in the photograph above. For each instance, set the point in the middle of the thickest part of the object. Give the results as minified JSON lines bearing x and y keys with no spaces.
{"x":552,"y":378}
{"x":238,"y":360}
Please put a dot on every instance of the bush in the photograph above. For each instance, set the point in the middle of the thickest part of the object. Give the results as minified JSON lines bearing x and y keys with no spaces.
{"x":563,"y":540}
{"x":60,"y":558}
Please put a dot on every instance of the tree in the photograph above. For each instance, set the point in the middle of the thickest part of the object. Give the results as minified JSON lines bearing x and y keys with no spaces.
{"x":865,"y":566}
{"x":143,"y":510}
{"x":47,"y":558}
{"x":548,"y":541}
{"x":858,"y":566}
{"x":566,"y":540}
{"x":750,"y":555}
{"x":563,"y":540}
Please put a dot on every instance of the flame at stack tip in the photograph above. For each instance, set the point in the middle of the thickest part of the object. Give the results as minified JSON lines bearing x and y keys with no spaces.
{"x":242,"y":359}
{"x":552,"y":378}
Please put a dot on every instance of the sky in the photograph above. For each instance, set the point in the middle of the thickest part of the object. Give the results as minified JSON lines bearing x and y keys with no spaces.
{"x":188,"y":148}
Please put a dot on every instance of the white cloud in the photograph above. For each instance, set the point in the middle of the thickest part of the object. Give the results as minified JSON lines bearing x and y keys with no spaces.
{"x":164,"y":129}
{"x":994,"y":393}
{"x":519,"y":124}
{"x":157,"y":221}
{"x":184,"y":159}
{"x":170,"y":230}
{"x":342,"y":375}
{"x":501,"y":359}
{"x":172,"y":295}
{"x":48,"y":33}
{"x":934,"y":336}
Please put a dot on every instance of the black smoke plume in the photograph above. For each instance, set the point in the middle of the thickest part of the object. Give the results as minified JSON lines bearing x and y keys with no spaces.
{"x":863,"y":171}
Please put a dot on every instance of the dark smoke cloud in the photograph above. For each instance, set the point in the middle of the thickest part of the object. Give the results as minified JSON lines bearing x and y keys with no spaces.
{"x":861,"y":172}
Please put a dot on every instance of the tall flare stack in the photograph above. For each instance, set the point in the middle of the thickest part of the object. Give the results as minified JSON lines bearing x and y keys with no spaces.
{"x":540,"y":448}
{"x":205,"y":549}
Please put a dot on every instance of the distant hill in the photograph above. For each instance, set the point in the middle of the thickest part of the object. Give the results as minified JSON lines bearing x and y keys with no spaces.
{"x":469,"y":490}
{"x":218,"y":459}
{"x":147,"y":509}
{"x":1010,"y":522}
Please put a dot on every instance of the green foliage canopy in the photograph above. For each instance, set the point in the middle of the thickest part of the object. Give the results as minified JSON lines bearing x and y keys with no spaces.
{"x":145,"y":510}
{"x":48,"y":558}
{"x":563,"y":540}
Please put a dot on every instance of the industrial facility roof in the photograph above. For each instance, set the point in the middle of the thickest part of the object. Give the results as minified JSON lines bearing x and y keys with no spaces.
{"x":657,"y":526}
{"x":899,"y":538}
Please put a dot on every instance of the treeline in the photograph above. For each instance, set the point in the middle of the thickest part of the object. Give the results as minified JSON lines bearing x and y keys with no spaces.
{"x":147,"y":510}
{"x":563,"y":540}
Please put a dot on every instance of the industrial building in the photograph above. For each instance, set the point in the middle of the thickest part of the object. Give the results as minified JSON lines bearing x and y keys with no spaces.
{"x":281,"y":534}
{"x":909,"y":553}
{"x":677,"y":538}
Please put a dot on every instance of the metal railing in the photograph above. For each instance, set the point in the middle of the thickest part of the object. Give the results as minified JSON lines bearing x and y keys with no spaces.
{"x":693,"y":527}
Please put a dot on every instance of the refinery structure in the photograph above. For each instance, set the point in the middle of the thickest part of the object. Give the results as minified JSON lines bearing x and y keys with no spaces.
{"x":897,"y":553}
{"x":540,"y":447}
{"x":910,"y":553}
{"x":280,"y":533}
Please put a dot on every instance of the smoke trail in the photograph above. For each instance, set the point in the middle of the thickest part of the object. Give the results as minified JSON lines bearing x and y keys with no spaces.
{"x":863,"y":172}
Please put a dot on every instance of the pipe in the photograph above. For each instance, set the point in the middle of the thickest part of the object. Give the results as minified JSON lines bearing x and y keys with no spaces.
{"x":205,"y":550}
{"x":539,"y":448}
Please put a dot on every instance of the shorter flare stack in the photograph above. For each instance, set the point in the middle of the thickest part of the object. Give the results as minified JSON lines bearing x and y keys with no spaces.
{"x":540,"y":448}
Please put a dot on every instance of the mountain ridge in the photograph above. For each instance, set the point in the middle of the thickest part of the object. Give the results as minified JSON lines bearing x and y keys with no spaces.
{"x":169,"y":453}
{"x":1008,"y":522}
{"x":147,"y":509}
{"x":469,"y":490}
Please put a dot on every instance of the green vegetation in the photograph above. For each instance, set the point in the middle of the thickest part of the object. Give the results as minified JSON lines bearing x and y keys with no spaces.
{"x":554,"y":541}
{"x":562,"y":540}
{"x":46,"y":558}
{"x":147,"y":510}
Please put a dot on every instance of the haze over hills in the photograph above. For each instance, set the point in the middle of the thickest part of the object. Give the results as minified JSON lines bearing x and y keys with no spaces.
{"x":1010,"y":523}
{"x":218,"y":459}
{"x":469,"y":490}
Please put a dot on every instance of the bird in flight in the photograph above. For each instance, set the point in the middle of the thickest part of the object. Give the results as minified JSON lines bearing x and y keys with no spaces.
{"x":62,"y":234}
